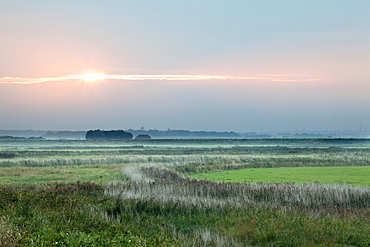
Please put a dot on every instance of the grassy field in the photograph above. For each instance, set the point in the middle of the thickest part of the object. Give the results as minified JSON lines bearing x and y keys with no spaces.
{"x":101,"y":161}
{"x":352,"y":175}
{"x":139,"y":193}
{"x":36,"y":175}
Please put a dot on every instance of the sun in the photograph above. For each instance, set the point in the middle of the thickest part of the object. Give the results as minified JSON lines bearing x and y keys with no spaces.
{"x":92,"y":77}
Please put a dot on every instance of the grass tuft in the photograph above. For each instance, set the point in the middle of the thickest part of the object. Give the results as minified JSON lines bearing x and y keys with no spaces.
{"x":9,"y":236}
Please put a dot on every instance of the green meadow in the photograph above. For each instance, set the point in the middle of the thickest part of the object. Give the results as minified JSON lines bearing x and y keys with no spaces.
{"x":351,"y":175}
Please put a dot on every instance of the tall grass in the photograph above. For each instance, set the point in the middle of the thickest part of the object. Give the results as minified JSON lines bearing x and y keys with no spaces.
{"x":164,"y":185}
{"x":159,"y":207}
{"x":199,"y":163}
{"x":235,"y":214}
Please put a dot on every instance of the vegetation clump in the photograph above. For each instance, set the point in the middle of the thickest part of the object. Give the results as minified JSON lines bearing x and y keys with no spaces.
{"x":8,"y":235}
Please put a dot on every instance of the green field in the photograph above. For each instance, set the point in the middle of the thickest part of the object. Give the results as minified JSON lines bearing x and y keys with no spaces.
{"x":36,"y":175}
{"x":353,"y":175}
{"x":140,"y":193}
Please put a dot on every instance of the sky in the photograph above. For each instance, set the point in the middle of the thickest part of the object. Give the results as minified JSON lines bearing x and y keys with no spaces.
{"x":238,"y":65}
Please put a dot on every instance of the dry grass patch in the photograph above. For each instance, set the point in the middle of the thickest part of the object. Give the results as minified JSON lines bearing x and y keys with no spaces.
{"x":8,"y":235}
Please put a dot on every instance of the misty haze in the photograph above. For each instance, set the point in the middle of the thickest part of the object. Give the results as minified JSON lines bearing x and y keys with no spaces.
{"x":184,"y":123}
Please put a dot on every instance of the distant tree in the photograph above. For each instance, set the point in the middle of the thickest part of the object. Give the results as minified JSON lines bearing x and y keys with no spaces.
{"x":117,"y":134}
{"x":104,"y":135}
{"x":95,"y":135}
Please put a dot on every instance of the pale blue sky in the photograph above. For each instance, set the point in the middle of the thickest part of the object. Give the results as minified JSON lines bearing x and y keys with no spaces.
{"x":321,"y":47}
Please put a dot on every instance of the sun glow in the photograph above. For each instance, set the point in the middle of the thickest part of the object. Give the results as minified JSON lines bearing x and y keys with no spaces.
{"x":90,"y":77}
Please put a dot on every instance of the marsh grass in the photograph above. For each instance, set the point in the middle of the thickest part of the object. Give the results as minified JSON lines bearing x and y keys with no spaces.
{"x":33,"y":169}
{"x":246,"y":214}
{"x":251,"y":160}
{"x":74,"y":214}
{"x":160,"y":207}
{"x":98,"y":173}
{"x":152,"y":202}
{"x":164,"y":185}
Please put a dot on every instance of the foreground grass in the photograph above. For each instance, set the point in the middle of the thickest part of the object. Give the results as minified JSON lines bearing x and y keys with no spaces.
{"x":69,"y":215}
{"x":356,"y":175}
{"x":88,"y":214}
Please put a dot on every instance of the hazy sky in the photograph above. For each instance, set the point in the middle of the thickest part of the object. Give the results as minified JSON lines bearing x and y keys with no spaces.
{"x":238,"y":65}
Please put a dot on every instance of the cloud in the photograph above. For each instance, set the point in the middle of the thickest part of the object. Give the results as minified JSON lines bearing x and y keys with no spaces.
{"x":96,"y":77}
{"x":30,"y":80}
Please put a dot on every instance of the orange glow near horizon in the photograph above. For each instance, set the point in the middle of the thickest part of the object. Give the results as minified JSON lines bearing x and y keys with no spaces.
{"x":91,"y":77}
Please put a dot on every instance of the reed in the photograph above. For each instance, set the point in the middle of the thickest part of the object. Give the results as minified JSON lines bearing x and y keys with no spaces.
{"x":163,"y":185}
